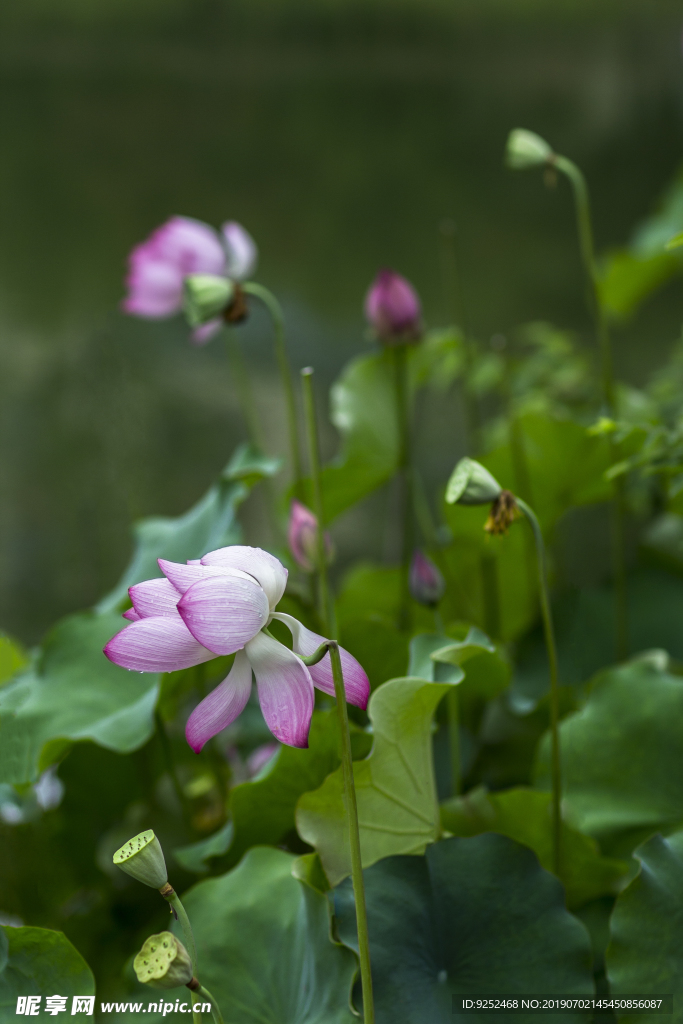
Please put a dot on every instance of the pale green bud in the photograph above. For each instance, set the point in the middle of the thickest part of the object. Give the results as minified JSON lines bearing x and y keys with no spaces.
{"x":471,"y":484}
{"x":163,"y":962}
{"x":205,"y":296}
{"x":143,"y":858}
{"x":526,"y":149}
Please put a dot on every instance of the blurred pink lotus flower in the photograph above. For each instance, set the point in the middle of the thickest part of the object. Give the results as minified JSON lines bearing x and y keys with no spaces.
{"x":182,"y":246}
{"x":222,"y":605}
{"x":427,"y":585}
{"x":302,"y":535}
{"x":392,"y":308}
{"x":260,"y":757}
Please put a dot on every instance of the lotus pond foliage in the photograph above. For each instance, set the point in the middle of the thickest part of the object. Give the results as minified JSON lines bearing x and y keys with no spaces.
{"x":459,"y":771}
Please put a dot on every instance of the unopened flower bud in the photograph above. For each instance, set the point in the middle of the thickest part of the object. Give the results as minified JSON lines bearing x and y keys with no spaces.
{"x":241,"y":253}
{"x":163,"y":962}
{"x":205,"y":296}
{"x":427,"y":585}
{"x":392,"y":308}
{"x":143,"y":859}
{"x":526,"y":149}
{"x":302,"y":535}
{"x":471,"y":484}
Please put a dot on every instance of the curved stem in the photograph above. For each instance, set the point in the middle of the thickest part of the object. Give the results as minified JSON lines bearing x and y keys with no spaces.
{"x":275,"y":310}
{"x":354,"y":836}
{"x":405,"y":469}
{"x":173,"y":898}
{"x":215,"y":1009}
{"x":326,"y":613}
{"x":554,"y":683}
{"x":585,"y":230}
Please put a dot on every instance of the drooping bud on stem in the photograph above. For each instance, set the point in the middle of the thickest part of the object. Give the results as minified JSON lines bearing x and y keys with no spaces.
{"x":302,"y":535}
{"x":503,"y":513}
{"x":526,"y":149}
{"x":472,"y":484}
{"x":163,"y":962}
{"x":206,"y":296}
{"x":427,"y":585}
{"x":392,"y":308}
{"x":143,"y":859}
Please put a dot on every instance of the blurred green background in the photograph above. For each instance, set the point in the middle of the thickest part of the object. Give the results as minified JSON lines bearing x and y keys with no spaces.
{"x":341,"y":134}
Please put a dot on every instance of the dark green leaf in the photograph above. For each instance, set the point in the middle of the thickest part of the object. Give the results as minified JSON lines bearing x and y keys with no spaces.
{"x":644,"y":954}
{"x":472,"y":916}
{"x":525,"y":816}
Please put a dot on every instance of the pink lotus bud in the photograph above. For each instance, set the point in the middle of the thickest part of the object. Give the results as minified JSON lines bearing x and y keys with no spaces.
{"x":241,"y":253}
{"x":392,"y":308}
{"x":427,"y":585}
{"x":302,"y":535}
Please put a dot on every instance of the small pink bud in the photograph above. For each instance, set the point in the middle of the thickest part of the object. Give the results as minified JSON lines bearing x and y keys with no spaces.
{"x":302,"y":535}
{"x":427,"y":585}
{"x":392,"y":308}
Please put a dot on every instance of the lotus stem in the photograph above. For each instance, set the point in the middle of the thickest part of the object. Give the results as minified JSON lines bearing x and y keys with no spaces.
{"x":172,"y":897}
{"x":215,"y":1009}
{"x":354,"y":836}
{"x":324,"y":603}
{"x":586,"y":245}
{"x":275,"y":310}
{"x":556,"y":774}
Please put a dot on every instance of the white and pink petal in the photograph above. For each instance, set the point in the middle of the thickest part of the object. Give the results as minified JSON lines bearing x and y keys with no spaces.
{"x":264,"y":567}
{"x":160,"y":643}
{"x":224,"y":612}
{"x":154,"y":597}
{"x":285,"y":690}
{"x":222,"y":706}
{"x":306,"y":642}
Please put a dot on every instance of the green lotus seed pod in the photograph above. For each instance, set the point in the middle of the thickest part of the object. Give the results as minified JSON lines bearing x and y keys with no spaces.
{"x":471,"y":484}
{"x":163,"y":962}
{"x":205,"y":296}
{"x":143,"y":858}
{"x":526,"y":149}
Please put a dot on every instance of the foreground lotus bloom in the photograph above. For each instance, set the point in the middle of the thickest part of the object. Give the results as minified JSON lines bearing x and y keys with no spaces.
{"x":392,"y":308}
{"x":427,"y":585}
{"x":222,"y":604}
{"x":302,"y":535}
{"x":157,"y":268}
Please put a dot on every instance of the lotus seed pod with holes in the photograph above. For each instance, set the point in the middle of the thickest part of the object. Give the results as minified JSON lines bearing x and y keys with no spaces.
{"x":471,"y":484}
{"x":143,"y":858}
{"x":526,"y":149}
{"x":163,"y":962}
{"x":205,"y":296}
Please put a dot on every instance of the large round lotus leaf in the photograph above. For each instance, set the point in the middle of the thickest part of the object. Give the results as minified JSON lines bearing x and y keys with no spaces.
{"x":645,"y":954}
{"x":264,"y":948}
{"x":621,"y":754}
{"x":470,"y":917}
{"x":39,"y":962}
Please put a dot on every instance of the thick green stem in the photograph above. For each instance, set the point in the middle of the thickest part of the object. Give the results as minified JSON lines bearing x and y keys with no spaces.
{"x":405,"y":469}
{"x":173,"y":898}
{"x":215,"y":1009}
{"x":354,"y":836}
{"x":585,"y":230}
{"x":554,"y":685}
{"x":273,"y":307}
{"x":325,"y":608}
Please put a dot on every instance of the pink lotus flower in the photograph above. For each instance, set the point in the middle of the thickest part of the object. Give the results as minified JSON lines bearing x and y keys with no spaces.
{"x":182,"y":246}
{"x":302,"y":535}
{"x":222,"y":604}
{"x":427,"y":585}
{"x":392,"y":308}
